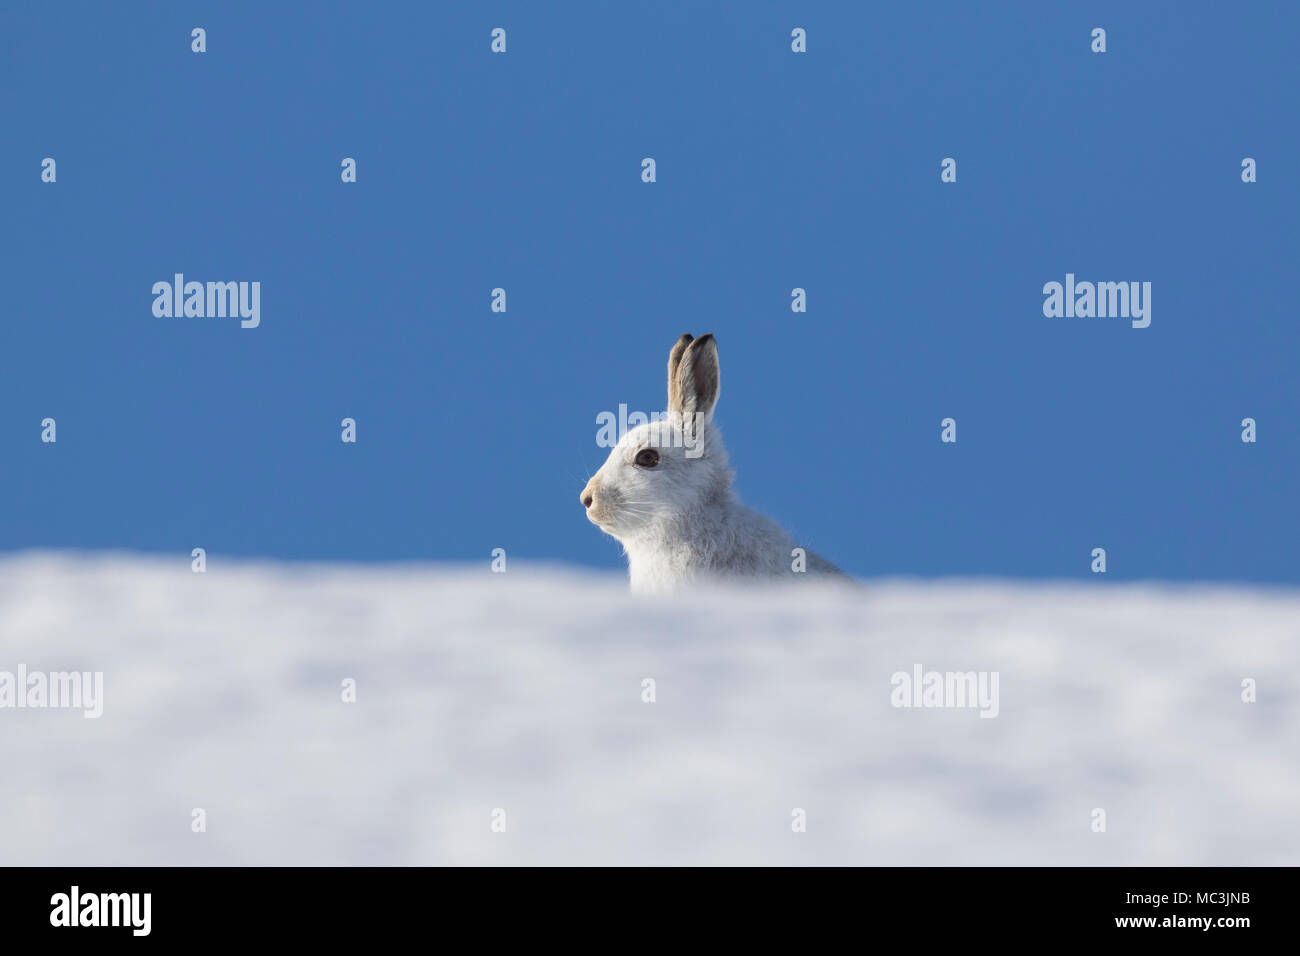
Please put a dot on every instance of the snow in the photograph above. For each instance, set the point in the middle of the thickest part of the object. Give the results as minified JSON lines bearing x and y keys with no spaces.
{"x":523,"y":691}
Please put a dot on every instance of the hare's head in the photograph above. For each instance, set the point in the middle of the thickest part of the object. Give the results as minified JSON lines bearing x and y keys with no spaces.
{"x":666,"y":469}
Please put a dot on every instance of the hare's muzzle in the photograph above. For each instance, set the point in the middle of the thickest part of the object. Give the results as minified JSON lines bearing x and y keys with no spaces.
{"x":588,"y":494}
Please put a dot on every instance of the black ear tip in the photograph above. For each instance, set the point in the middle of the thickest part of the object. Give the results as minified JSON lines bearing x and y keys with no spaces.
{"x":706,"y":337}
{"x":686,"y":339}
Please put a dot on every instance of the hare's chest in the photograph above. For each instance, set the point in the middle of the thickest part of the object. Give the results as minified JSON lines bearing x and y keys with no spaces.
{"x":655,"y":571}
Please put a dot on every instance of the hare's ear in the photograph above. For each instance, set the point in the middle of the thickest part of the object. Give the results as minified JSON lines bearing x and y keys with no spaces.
{"x":698,"y":380}
{"x":675,"y":360}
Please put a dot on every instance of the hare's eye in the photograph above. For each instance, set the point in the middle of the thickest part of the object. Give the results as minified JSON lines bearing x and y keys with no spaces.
{"x":647,"y":458}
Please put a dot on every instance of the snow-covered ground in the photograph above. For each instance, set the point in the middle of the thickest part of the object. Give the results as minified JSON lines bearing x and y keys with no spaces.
{"x":523,"y":691}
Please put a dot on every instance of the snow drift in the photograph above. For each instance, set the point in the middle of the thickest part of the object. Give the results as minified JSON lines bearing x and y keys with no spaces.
{"x":523,"y":692}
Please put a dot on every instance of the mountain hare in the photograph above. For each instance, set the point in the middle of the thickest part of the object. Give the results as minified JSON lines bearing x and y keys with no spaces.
{"x":665,"y":493}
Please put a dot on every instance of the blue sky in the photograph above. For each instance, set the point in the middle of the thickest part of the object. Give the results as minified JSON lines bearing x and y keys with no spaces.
{"x":775,"y":170}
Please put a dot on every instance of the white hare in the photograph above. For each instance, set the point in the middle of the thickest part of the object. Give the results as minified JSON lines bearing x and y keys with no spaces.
{"x":665,"y":493}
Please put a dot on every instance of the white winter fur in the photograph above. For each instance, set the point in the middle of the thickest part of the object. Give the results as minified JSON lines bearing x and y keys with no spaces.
{"x":678,"y":519}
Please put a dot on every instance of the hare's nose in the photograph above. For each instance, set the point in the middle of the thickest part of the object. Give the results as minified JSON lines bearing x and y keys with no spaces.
{"x":588,"y":494}
{"x":587,"y":500}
